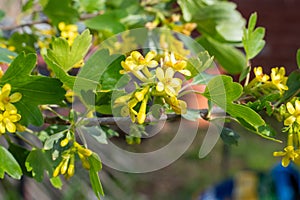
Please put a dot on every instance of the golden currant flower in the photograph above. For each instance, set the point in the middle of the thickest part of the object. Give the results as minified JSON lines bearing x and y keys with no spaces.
{"x":178,"y":106}
{"x":8,"y":121}
{"x":294,"y":113}
{"x":69,"y":32}
{"x":139,"y":95}
{"x":279,"y":79}
{"x":141,"y":116}
{"x":289,"y":154}
{"x":167,"y":82}
{"x":259,"y":75}
{"x":177,"y":65}
{"x":6,"y":99}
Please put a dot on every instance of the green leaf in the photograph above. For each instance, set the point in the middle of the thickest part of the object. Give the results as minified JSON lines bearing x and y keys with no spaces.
{"x":111,"y":77}
{"x":109,"y":21}
{"x":189,"y":8}
{"x":23,"y":42}
{"x":96,"y":132}
{"x":222,"y":91}
{"x":6,"y":55}
{"x":35,"y":90}
{"x":20,"y":154}
{"x":67,"y":56}
{"x":28,"y":5}
{"x":56,"y":182}
{"x":202,"y":79}
{"x":253,"y":38}
{"x":217,"y":19}
{"x":53,"y":139}
{"x":95,"y":162}
{"x":230,"y":58}
{"x":60,"y":73}
{"x":62,"y":13}
{"x":199,"y":64}
{"x":229,"y":137}
{"x":92,"y":5}
{"x":298,"y":58}
{"x":293,"y":84}
{"x":96,"y":166}
{"x":9,"y":165}
{"x":37,"y":163}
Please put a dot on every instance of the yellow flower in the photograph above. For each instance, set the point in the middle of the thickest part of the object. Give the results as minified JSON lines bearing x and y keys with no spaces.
{"x":294,"y":113}
{"x":279,"y":79}
{"x":260,"y":76}
{"x":6,"y":99}
{"x":177,"y":65}
{"x":288,"y":154}
{"x":8,"y":121}
{"x":166,"y":81}
{"x":185,"y":28}
{"x":178,"y":106}
{"x":136,"y":62}
{"x":139,"y":95}
{"x":69,"y":32}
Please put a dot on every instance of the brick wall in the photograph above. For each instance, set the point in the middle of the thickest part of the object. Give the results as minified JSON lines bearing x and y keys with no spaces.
{"x":281,"y":18}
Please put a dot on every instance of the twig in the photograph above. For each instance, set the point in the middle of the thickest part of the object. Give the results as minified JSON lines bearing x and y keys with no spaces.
{"x":8,"y":28}
{"x":114,"y":120}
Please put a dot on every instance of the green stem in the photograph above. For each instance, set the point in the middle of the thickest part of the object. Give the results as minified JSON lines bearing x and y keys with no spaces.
{"x":25,"y":140}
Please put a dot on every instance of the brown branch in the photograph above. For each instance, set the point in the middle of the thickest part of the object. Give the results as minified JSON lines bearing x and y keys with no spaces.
{"x":114,"y":120}
{"x":8,"y":28}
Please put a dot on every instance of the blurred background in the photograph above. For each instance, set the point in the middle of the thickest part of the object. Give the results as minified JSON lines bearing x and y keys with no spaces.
{"x":189,"y":176}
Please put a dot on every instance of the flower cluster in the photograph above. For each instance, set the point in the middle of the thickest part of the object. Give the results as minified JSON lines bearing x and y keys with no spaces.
{"x":264,"y":84}
{"x":9,"y":116}
{"x":69,"y":32}
{"x":66,"y":166}
{"x":157,"y":82}
{"x":291,"y":115}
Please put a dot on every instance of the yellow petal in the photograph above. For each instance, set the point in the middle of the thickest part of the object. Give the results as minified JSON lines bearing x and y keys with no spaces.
{"x":5,"y":90}
{"x":297,"y":106}
{"x":180,"y":65}
{"x":150,"y":55}
{"x":160,"y":87}
{"x":298,"y":120}
{"x":152,"y":64}
{"x":2,"y":127}
{"x":11,"y":127}
{"x":125,"y":66}
{"x":279,"y":153}
{"x":285,"y":161}
{"x":61,"y":26}
{"x":175,"y":82}
{"x":136,"y":55}
{"x":170,"y":91}
{"x":185,"y":72}
{"x":289,"y":121}
{"x":1,"y":105}
{"x":15,"y":97}
{"x":11,"y":108}
{"x":169,"y":73}
{"x":160,"y":74}
{"x":14,"y":118}
{"x":290,"y":108}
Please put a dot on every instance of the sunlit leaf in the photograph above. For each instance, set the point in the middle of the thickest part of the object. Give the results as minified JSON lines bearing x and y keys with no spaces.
{"x":9,"y":165}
